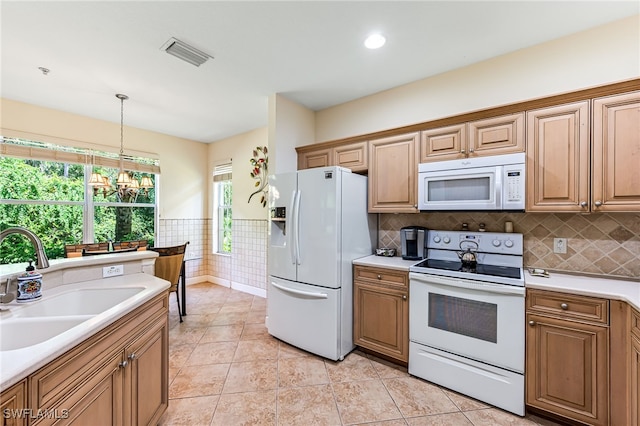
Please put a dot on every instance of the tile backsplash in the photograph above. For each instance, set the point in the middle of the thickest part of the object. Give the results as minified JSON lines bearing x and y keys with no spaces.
{"x":599,"y":243}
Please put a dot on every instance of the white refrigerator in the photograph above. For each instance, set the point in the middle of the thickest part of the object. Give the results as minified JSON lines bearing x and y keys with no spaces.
{"x":319,"y":224}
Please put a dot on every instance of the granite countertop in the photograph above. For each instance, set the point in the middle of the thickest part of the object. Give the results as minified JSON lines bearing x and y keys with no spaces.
{"x":627,"y":290}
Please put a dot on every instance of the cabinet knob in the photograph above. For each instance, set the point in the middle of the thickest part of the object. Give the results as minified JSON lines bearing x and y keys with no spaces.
{"x":584,"y":204}
{"x":598,"y":203}
{"x":404,"y":297}
{"x":564,"y":306}
{"x":379,"y":277}
{"x":471,"y":150}
{"x":132,"y":356}
{"x":532,"y":323}
{"x":462,"y":151}
{"x":123,"y":364}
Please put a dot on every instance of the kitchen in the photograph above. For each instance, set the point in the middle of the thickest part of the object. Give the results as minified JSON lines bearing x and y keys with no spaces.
{"x":510,"y":78}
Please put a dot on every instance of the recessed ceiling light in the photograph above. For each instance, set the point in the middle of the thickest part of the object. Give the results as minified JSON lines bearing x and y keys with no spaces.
{"x":375,"y":41}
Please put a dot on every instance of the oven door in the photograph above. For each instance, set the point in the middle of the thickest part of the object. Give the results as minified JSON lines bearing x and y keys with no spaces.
{"x":460,"y":189}
{"x":477,"y":320}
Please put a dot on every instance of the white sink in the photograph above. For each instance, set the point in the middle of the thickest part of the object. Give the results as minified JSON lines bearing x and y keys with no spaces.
{"x":89,"y":301}
{"x":23,"y":332}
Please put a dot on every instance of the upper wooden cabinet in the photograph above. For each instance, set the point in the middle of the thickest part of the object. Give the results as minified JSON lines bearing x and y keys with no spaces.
{"x":616,"y":153}
{"x":558,"y":158}
{"x":490,"y":136}
{"x":352,"y":156}
{"x":570,"y":168}
{"x":312,"y":159}
{"x":393,"y":170}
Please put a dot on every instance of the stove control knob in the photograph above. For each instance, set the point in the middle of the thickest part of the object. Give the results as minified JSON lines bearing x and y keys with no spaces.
{"x":446,"y":240}
{"x":496,"y":243}
{"x":508,"y":243}
{"x":436,"y":239}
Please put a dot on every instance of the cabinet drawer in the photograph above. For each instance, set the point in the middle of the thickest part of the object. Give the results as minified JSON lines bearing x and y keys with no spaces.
{"x":568,"y":305}
{"x":382,"y":276}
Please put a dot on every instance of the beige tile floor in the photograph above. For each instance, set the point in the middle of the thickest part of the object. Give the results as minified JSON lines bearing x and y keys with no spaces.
{"x":225,"y":369}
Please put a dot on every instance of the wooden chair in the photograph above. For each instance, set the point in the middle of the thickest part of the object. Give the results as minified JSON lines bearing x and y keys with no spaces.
{"x":169,"y":266}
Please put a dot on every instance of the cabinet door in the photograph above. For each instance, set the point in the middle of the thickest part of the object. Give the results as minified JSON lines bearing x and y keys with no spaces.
{"x":558,"y":158}
{"x":12,"y":401}
{"x":616,"y":153}
{"x":495,"y":136}
{"x":635,"y":380}
{"x":352,"y":156}
{"x":393,"y":170}
{"x":147,"y":375}
{"x":381,"y":320}
{"x":310,"y":160}
{"x":567,"y":368}
{"x":443,"y":143}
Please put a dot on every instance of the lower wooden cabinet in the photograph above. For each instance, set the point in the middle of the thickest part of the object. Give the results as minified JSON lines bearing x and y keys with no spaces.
{"x":381,"y":312}
{"x":12,"y":401}
{"x":119,"y":376}
{"x":567,"y":357}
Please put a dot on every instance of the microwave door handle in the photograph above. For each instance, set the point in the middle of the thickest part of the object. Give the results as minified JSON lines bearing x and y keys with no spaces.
{"x":498,"y":187}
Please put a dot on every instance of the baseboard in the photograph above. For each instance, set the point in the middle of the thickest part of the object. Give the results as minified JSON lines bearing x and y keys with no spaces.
{"x":227,"y":283}
{"x":249,"y":289}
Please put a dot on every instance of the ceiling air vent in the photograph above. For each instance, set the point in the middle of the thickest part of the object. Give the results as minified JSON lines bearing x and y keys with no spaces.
{"x":185,"y":52}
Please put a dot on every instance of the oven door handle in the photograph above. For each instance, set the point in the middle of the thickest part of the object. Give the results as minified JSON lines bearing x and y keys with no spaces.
{"x":468,"y":284}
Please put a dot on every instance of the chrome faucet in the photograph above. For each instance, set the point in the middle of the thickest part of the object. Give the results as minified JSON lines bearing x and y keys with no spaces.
{"x":41,"y":257}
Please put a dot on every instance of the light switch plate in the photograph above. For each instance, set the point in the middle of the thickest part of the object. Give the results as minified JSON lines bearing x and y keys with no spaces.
{"x":560,"y":245}
{"x":112,"y":271}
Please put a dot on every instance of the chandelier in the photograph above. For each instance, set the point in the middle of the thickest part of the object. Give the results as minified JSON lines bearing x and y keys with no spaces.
{"x":126,"y":187}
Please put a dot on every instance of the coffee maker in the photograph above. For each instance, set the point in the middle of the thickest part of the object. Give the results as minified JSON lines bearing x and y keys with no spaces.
{"x":413,"y":242}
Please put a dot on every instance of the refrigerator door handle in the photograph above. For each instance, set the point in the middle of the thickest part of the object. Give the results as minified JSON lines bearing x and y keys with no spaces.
{"x":300,"y":292}
{"x":291,"y":225}
{"x":297,"y":227}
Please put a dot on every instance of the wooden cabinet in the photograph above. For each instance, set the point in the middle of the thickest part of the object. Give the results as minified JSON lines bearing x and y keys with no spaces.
{"x":567,"y":356}
{"x":381,"y":311}
{"x":616,"y":153}
{"x":119,"y":376}
{"x":352,"y":156}
{"x":573,"y":168}
{"x":393,"y":171}
{"x":558,"y":159}
{"x":12,"y":401}
{"x":312,"y":159}
{"x":634,"y":367}
{"x":490,"y":136}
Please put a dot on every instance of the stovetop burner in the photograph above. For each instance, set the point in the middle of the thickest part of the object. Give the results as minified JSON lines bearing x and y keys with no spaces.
{"x":491,"y":270}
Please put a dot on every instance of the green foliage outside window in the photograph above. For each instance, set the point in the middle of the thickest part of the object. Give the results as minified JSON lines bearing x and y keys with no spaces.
{"x":22,"y":181}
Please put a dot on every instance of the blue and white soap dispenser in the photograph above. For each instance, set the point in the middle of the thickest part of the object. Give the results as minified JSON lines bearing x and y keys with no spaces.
{"x":29,"y":285}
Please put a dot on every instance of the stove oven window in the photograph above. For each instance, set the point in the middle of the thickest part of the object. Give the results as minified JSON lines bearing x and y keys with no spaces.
{"x":467,"y":317}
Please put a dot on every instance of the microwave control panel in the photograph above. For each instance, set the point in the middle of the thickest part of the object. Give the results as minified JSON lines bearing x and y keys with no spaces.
{"x":514,"y":185}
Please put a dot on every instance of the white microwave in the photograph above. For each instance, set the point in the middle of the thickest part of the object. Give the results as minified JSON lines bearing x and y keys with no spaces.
{"x":482,"y":183}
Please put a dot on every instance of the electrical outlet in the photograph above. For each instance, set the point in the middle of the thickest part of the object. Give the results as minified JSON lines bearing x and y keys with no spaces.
{"x":112,"y":271}
{"x":560,"y":245}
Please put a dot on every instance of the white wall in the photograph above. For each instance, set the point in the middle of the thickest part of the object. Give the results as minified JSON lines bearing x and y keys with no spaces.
{"x":290,"y":125}
{"x":183,"y":162}
{"x":240,"y":148}
{"x":606,"y":54}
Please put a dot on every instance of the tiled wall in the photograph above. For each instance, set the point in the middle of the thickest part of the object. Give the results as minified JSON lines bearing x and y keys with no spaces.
{"x":249,"y":254}
{"x":247,"y":265}
{"x":599,"y":243}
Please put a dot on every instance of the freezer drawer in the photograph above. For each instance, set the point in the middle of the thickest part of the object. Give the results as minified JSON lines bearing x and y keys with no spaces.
{"x":305,"y":316}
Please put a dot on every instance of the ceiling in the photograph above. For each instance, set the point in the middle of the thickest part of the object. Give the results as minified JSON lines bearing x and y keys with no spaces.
{"x":309,"y":51}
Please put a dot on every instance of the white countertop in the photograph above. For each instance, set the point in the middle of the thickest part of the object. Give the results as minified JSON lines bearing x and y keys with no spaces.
{"x":396,"y":262}
{"x":618,"y":289}
{"x":19,"y":363}
{"x":627,"y":290}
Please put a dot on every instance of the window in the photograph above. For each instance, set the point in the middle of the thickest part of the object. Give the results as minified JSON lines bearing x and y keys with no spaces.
{"x":223,"y":191}
{"x":44,"y":188}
